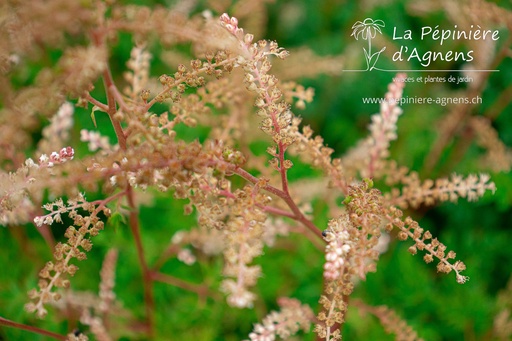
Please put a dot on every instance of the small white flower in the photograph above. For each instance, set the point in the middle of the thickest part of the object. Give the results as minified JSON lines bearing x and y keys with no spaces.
{"x":331,"y":256}
{"x":462,"y":279}
{"x":186,"y":256}
{"x":48,"y":220}
{"x":178,"y":237}
{"x":30,"y":163}
{"x":38,"y":221}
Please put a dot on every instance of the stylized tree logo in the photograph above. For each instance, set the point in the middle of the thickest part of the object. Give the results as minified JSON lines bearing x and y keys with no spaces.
{"x":368,"y":30}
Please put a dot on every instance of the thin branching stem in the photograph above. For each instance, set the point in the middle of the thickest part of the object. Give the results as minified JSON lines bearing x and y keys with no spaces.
{"x":111,"y":91}
{"x":146,"y":273}
{"x":32,"y":329}
{"x":297,"y":214}
{"x":201,"y":290}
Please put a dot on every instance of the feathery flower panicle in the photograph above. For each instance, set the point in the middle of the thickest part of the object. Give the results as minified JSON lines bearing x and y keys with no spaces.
{"x":57,"y":133}
{"x":367,"y":158}
{"x":78,"y":240}
{"x":96,"y":326}
{"x":95,"y":140}
{"x":108,"y":274}
{"x":17,"y":200}
{"x":415,"y":193}
{"x":139,"y":76}
{"x":65,"y":154}
{"x":288,"y":321}
{"x":337,"y":249}
{"x":391,"y":322}
{"x":243,"y":243}
{"x":274,"y":111}
{"x":78,"y":336}
{"x":498,"y":157}
{"x":81,"y":66}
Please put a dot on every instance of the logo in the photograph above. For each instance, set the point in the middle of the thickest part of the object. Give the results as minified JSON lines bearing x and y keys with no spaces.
{"x":369,"y":28}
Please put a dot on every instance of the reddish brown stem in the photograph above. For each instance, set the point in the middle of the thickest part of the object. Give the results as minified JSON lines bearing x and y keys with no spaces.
{"x":170,"y":251}
{"x":460,"y":114}
{"x":118,"y":97}
{"x":282,"y":168}
{"x":500,"y":104}
{"x":111,"y":91}
{"x":98,"y":38}
{"x":109,"y":83}
{"x":277,"y":211}
{"x":281,"y":146}
{"x":146,"y":273}
{"x":95,"y":102}
{"x":297,"y":214}
{"x":46,"y":233}
{"x":9,"y":323}
{"x":201,"y":290}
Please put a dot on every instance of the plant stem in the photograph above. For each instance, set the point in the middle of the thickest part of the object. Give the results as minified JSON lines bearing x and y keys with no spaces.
{"x":146,"y":273}
{"x":95,"y":102}
{"x":297,"y":214}
{"x":201,"y":290}
{"x":9,"y":323}
{"x":170,"y":251}
{"x":111,"y":92}
{"x":460,"y":114}
{"x":109,"y":83}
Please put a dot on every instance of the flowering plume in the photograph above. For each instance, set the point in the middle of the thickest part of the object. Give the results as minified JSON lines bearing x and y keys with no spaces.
{"x":369,"y":155}
{"x":292,"y":317}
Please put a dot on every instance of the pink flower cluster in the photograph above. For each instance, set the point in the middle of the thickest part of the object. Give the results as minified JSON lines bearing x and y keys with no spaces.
{"x":231,"y":24}
{"x":336,"y":253}
{"x":65,"y":154}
